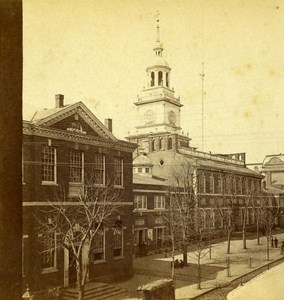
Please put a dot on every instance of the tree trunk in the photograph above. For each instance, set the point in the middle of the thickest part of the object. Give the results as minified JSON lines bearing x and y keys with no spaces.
{"x":199,"y":273}
{"x":257,"y":232}
{"x":267,"y":246}
{"x":229,"y":241}
{"x":81,"y":292}
{"x":80,"y":286}
{"x":185,"y":256}
{"x":173,"y":261}
{"x":244,"y":237}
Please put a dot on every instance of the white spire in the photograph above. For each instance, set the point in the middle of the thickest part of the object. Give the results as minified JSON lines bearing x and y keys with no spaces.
{"x":158,"y":47}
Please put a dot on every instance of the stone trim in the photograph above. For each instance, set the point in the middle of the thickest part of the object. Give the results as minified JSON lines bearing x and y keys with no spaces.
{"x":72,"y":137}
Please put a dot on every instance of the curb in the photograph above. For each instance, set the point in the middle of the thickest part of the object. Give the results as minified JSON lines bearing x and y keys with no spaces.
{"x":241,"y":279}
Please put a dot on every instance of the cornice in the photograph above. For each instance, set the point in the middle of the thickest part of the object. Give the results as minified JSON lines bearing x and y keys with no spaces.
{"x":29,"y":129}
{"x":172,"y":101}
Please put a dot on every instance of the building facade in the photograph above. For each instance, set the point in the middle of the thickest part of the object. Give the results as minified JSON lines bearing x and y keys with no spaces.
{"x":163,"y":148}
{"x":272,"y":168}
{"x":60,"y":147}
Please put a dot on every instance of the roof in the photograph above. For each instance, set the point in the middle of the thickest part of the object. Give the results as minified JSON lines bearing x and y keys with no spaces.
{"x":155,"y":284}
{"x":227,"y":167}
{"x":158,"y":61}
{"x":46,"y":112}
{"x":47,"y":117}
{"x":207,"y":160}
{"x":273,"y":190}
{"x":274,"y":160}
{"x":142,"y":160}
{"x":141,"y":179}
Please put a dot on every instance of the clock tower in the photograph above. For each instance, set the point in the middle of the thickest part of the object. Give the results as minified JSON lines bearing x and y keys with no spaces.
{"x":159,"y":110}
{"x":158,"y":118}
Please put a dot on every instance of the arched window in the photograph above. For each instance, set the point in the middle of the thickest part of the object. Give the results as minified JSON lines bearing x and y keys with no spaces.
{"x":167,"y":79}
{"x":152,"y":78}
{"x":117,"y":239}
{"x":161,"y":143}
{"x":99,"y":243}
{"x":160,"y":78}
{"x":153,"y":145}
{"x":170,"y":143}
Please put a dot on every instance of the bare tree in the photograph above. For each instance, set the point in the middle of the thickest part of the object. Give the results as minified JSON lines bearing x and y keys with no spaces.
{"x":245,"y":212}
{"x":186,"y":221}
{"x":270,"y":209}
{"x":77,"y":221}
{"x":172,"y":222}
{"x":183,"y":199}
{"x":200,"y":234}
{"x":227,"y":211}
{"x":256,"y":207}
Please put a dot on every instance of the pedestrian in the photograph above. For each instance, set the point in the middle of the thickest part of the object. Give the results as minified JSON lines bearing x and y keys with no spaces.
{"x":272,"y":242}
{"x":276,"y":242}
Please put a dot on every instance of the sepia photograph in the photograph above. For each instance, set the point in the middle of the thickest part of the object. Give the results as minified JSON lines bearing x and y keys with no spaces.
{"x":142,"y":149}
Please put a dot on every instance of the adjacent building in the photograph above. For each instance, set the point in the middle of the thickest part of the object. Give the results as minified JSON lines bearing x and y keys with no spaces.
{"x":272,"y":168}
{"x":60,"y":146}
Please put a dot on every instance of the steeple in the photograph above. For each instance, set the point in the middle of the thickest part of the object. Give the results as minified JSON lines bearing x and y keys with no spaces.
{"x":158,"y":121}
{"x":159,"y":109}
{"x":158,"y":49}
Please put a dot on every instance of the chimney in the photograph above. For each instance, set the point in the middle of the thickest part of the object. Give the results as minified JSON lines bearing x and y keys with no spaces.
{"x":108,"y":124}
{"x":59,"y":100}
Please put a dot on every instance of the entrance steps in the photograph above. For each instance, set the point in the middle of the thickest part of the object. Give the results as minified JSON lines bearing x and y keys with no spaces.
{"x":94,"y":291}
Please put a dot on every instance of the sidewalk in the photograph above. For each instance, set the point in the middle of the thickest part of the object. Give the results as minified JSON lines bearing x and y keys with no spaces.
{"x":214,"y":270}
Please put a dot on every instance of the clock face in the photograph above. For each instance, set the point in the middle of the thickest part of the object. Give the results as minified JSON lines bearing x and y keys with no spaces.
{"x":150,"y":116}
{"x":172,"y":118}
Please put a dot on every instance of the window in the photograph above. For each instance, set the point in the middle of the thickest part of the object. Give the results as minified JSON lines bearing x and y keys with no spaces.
{"x":160,"y":78}
{"x":170,"y":143}
{"x":167,"y":79}
{"x":48,"y":250}
{"x":24,"y":247}
{"x":48,"y":167}
{"x":152,"y":78}
{"x":139,"y":170}
{"x":147,"y":170}
{"x":99,"y":168}
{"x":99,"y":245}
{"x":140,"y":202}
{"x":76,"y":166}
{"x":118,"y":171}
{"x":161,"y":143}
{"x":219,"y":185}
{"x":201,"y":183}
{"x":159,"y":202}
{"x":234,"y":185}
{"x":117,"y":239}
{"x":207,"y":183}
{"x":211,"y":184}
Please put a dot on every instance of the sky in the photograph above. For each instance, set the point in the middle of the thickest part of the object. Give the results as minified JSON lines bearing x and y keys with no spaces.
{"x":96,"y":51}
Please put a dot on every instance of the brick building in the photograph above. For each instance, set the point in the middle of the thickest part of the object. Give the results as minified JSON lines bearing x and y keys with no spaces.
{"x":163,"y":147}
{"x":60,"y":145}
